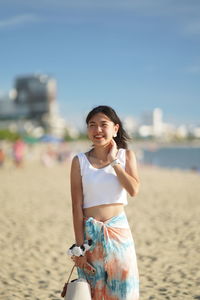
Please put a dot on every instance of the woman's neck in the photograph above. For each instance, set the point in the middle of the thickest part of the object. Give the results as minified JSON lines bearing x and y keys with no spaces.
{"x":100,"y":152}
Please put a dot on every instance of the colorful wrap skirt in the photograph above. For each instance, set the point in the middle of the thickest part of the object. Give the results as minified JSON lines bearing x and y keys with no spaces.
{"x":113,"y":256}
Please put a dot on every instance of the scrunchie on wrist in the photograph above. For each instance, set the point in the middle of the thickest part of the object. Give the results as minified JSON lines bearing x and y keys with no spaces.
{"x":75,"y":250}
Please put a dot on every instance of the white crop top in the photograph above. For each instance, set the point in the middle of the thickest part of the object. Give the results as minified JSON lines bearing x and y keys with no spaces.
{"x":101,"y":186}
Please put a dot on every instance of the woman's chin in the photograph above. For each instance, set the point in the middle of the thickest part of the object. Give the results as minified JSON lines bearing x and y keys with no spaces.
{"x":101,"y":142}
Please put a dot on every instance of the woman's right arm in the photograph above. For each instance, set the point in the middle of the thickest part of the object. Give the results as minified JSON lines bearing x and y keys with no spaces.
{"x":77,"y":200}
{"x":77,"y":209}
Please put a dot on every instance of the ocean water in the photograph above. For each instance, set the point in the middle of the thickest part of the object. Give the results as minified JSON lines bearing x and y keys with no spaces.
{"x":173,"y":157}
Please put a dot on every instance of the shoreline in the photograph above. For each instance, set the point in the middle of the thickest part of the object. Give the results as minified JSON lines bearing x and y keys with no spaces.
{"x":34,"y":155}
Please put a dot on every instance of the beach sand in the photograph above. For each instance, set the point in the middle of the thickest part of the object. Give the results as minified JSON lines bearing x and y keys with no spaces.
{"x":36,"y":230}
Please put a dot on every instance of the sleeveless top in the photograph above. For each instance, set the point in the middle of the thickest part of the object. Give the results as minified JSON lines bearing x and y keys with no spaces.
{"x":101,"y":186}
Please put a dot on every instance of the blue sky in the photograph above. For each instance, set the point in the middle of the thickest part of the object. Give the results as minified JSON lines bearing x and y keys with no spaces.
{"x":133,"y":55}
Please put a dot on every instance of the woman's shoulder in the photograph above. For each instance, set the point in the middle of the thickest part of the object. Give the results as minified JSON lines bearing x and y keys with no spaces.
{"x":82,"y":155}
{"x":129,"y":153}
{"x":79,"y":160}
{"x":126,"y":152}
{"x":79,"y":154}
{"x":77,"y":157}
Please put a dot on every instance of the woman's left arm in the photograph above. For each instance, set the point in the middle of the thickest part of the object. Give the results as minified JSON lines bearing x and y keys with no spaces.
{"x":129,"y":177}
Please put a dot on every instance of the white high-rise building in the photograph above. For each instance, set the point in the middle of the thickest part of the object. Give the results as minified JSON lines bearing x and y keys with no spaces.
{"x":152,"y":123}
{"x":157,"y":122}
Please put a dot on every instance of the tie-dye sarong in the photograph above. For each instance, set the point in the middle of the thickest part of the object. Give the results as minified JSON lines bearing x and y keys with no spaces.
{"x":114,"y":258}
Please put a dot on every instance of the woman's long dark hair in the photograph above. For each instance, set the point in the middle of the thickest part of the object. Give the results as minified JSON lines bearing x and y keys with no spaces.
{"x":122,"y":137}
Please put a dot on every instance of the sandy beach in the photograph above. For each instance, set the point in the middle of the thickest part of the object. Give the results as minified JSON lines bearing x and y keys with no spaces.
{"x":36,"y":230}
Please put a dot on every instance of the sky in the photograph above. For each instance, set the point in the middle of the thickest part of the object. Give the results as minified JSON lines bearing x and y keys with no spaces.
{"x":133,"y":55}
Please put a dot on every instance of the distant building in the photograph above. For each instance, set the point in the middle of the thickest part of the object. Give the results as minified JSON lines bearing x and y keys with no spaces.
{"x":34,"y":99}
{"x":196,"y":132}
{"x":31,"y":98}
{"x":130,"y":125}
{"x":152,"y":124}
{"x":181,"y":131}
{"x":157,"y":122}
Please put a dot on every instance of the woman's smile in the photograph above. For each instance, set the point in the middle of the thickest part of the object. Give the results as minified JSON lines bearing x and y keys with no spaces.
{"x":99,"y":137}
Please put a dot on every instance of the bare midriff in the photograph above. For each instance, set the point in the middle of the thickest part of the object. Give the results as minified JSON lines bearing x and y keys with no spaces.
{"x":103,"y":212}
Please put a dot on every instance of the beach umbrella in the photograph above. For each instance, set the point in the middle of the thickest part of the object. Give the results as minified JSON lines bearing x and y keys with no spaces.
{"x":47,"y":138}
{"x":30,"y":139}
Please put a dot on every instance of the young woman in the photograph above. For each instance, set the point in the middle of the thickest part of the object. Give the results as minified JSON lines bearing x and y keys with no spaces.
{"x":100,"y":180}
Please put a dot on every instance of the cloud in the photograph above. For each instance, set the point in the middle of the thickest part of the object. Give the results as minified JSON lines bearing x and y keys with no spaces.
{"x":181,"y":13}
{"x":18,"y":20}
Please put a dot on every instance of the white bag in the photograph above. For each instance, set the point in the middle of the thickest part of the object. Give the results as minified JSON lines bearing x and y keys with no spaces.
{"x":77,"y":289}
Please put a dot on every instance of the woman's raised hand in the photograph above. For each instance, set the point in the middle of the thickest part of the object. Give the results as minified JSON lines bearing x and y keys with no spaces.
{"x":112,"y":153}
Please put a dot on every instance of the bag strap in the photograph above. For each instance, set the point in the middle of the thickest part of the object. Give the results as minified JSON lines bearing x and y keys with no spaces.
{"x":70,"y":273}
{"x":64,"y":290}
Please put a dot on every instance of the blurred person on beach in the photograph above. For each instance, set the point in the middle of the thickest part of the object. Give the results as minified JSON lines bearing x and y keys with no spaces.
{"x":63,"y":153}
{"x":18,"y":152}
{"x":2,"y":157}
{"x":100,"y":180}
{"x":48,"y":157}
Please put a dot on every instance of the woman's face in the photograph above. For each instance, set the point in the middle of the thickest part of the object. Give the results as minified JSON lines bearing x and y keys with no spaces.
{"x":101,"y":129}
